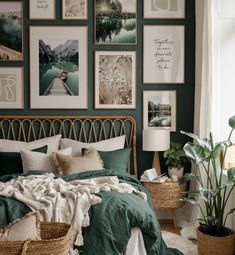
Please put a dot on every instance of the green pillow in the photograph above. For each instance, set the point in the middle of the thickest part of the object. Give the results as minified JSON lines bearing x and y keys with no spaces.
{"x":11,"y":163}
{"x":116,"y":160}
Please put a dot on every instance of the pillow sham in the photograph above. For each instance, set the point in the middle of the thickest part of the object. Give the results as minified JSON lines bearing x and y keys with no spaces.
{"x":112,"y":144}
{"x":72,"y":165}
{"x":37,"y":161}
{"x":11,"y":162}
{"x":22,"y":229}
{"x":16,"y":146}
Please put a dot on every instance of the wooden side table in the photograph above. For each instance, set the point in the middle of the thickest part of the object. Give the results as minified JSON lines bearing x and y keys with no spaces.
{"x":167,"y":195}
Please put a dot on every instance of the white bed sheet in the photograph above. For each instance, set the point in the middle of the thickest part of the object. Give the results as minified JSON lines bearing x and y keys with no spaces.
{"x":135,"y":244}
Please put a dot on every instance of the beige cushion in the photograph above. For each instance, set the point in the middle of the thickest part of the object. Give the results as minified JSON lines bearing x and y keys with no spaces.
{"x":112,"y":144}
{"x":22,"y":229}
{"x":71,"y":165}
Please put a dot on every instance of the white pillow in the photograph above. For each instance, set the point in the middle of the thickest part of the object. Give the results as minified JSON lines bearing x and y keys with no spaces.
{"x":112,"y":144}
{"x":32,"y":160}
{"x":16,"y":146}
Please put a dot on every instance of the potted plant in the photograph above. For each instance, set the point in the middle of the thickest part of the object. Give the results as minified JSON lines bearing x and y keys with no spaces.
{"x":175,"y":160}
{"x":213,"y":193}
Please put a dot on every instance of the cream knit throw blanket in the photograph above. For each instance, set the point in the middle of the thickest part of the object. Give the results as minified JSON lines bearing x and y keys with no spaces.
{"x":60,"y":201}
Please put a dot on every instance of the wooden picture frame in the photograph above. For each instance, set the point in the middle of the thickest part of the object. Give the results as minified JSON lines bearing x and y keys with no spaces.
{"x":62,"y":70}
{"x":81,"y":13}
{"x":115,"y":80}
{"x":42,"y":10}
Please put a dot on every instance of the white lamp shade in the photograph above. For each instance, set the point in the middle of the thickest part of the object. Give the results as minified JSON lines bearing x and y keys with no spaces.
{"x":156,"y":140}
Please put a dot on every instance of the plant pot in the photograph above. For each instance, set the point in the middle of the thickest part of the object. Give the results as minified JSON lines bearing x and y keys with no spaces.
{"x":174,"y":171}
{"x":213,"y":245}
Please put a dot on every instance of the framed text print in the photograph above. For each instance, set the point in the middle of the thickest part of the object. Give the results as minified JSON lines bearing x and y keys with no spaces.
{"x":75,"y":9}
{"x":164,"y":9}
{"x":42,"y":9}
{"x":58,"y":67}
{"x":11,"y":88}
{"x":159,"y":109}
{"x":115,"y":79}
{"x":163,"y":54}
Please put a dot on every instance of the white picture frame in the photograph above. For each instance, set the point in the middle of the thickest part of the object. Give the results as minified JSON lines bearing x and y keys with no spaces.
{"x":74,"y":9}
{"x":159,"y":109}
{"x":61,"y":71}
{"x":164,"y":9}
{"x":11,"y":88}
{"x":42,"y":10}
{"x":164,"y":54}
{"x":115,"y":80}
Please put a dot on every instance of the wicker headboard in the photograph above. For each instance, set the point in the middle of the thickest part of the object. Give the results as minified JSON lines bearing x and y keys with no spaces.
{"x":82,"y":128}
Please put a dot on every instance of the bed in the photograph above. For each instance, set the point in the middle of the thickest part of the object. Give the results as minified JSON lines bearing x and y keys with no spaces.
{"x":121,"y":223}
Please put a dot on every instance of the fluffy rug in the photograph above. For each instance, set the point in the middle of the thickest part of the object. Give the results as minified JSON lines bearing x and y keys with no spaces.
{"x":186,"y":246}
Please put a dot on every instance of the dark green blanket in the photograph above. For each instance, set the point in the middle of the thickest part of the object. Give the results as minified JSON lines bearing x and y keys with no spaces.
{"x":111,"y":221}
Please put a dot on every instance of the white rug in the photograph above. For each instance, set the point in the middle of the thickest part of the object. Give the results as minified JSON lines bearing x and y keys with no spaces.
{"x":186,"y":246}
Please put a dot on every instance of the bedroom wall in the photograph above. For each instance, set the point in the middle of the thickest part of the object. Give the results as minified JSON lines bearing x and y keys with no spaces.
{"x":185,"y":93}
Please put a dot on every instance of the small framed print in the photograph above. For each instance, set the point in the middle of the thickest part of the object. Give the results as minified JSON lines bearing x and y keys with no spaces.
{"x":159,"y":109}
{"x":11,"y":88}
{"x":115,"y":79}
{"x":75,"y":9}
{"x":42,"y":9}
{"x":164,"y":54}
{"x":11,"y":30}
{"x":58,"y":67}
{"x":164,"y":9}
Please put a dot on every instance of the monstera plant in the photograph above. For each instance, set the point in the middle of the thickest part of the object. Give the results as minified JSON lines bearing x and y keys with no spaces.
{"x":213,"y":192}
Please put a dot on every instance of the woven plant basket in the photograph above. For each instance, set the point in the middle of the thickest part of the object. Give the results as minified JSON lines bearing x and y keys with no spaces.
{"x":212,"y":245}
{"x":166,"y":195}
{"x":56,"y":240}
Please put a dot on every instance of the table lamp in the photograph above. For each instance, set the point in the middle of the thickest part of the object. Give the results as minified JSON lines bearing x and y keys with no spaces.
{"x":156,"y":140}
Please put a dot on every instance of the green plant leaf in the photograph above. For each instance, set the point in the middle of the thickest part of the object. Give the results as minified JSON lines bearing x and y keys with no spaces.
{"x":231,"y":211}
{"x":194,"y":152}
{"x":192,"y":200}
{"x":207,"y":194}
{"x":186,"y":178}
{"x":231,"y":122}
{"x":231,"y":174}
{"x":203,"y":142}
{"x":216,"y":152}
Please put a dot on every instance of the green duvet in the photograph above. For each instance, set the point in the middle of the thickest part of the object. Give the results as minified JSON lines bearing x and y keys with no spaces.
{"x":111,"y":221}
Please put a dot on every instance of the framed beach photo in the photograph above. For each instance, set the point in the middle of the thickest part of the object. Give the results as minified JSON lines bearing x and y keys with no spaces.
{"x":116,"y":21}
{"x":115,"y":79}
{"x":163,"y":54}
{"x":58,"y":67}
{"x":164,"y":9}
{"x":75,"y":9}
{"x":42,"y":9}
{"x":159,"y":109}
{"x":11,"y":88}
{"x":11,"y":27}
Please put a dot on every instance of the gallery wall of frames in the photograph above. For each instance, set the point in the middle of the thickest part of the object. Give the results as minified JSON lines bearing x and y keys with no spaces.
{"x":100,"y":57}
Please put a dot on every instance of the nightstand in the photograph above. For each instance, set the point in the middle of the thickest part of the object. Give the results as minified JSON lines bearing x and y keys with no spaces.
{"x":166,"y":196}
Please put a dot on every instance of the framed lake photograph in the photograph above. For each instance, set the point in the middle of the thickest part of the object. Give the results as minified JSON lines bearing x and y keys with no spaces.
{"x":164,"y":9}
{"x":159,"y":109}
{"x":42,"y":9}
{"x":115,"y":21}
{"x":115,"y":79}
{"x":11,"y":27}
{"x":11,"y":88}
{"x":164,"y":54}
{"x":75,"y":9}
{"x":58,"y":67}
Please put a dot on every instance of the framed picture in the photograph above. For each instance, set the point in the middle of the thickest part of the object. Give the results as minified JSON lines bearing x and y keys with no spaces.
{"x":75,"y":9}
{"x":42,"y":9}
{"x":11,"y":88}
{"x":164,"y":9}
{"x":116,"y":22}
{"x":159,"y":109}
{"x":115,"y":79}
{"x":58,"y":67}
{"x":164,"y":54}
{"x":11,"y":27}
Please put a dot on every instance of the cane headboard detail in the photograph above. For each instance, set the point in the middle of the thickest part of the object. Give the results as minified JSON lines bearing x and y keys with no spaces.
{"x":82,"y":128}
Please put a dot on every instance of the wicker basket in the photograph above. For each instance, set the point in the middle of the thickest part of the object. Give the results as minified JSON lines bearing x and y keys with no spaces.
{"x":166,"y":195}
{"x":56,"y":240}
{"x":215,"y":245}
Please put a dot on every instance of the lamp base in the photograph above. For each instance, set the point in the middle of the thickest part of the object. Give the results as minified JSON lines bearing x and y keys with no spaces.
{"x":156,"y":163}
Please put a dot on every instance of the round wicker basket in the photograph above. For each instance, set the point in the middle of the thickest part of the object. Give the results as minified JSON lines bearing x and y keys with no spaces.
{"x":215,"y":245}
{"x":56,"y":240}
{"x":166,"y":195}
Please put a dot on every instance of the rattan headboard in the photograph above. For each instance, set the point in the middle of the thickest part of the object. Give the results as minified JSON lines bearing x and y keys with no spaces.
{"x":82,"y":128}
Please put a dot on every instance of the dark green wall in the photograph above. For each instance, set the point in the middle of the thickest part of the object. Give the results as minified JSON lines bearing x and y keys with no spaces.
{"x":185,"y":93}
